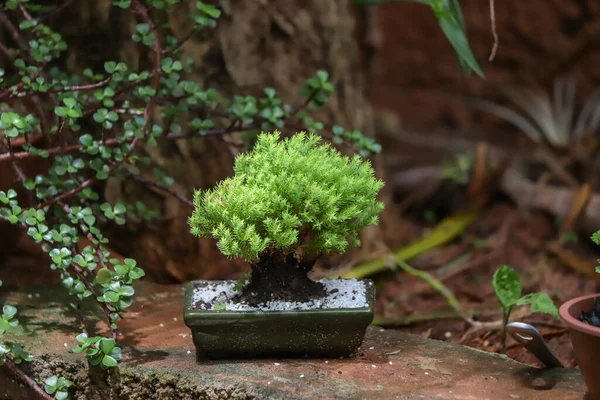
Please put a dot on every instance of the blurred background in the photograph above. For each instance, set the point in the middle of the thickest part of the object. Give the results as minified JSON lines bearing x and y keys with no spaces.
{"x":479,"y":172}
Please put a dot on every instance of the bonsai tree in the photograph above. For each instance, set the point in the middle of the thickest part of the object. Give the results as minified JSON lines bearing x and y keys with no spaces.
{"x":289,"y":202}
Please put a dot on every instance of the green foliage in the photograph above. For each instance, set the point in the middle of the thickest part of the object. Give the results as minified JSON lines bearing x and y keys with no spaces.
{"x":450,"y":18}
{"x":7,"y":319}
{"x":507,"y":286}
{"x":14,"y":352}
{"x":58,"y":386}
{"x":596,"y":239}
{"x":292,"y":196}
{"x":539,"y":302}
{"x":99,"y":351}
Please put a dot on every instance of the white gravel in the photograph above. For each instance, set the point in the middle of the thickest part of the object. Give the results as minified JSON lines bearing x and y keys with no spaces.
{"x":341,"y":293}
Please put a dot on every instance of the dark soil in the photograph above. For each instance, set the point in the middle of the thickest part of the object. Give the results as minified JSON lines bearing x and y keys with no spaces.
{"x":274,"y":278}
{"x":592,"y":317}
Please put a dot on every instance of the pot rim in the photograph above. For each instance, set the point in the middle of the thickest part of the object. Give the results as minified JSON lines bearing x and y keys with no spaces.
{"x":574,"y":323}
{"x":190,"y":312}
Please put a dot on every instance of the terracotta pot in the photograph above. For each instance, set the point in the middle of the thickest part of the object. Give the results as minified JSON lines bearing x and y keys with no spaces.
{"x":585,"y":339}
{"x":221,"y":334}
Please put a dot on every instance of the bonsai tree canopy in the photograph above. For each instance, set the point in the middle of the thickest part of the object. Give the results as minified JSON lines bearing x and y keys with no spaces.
{"x":290,"y":201}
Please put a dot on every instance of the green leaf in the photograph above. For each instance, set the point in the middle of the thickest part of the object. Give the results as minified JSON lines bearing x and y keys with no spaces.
{"x":209,"y":10}
{"x":143,"y":29}
{"x":111,"y":297}
{"x":103,"y":276}
{"x":458,"y":39}
{"x":4,"y":325}
{"x":109,"y":362}
{"x":61,"y":395}
{"x":126,"y":291}
{"x":539,"y":302}
{"x":89,"y":219}
{"x":106,"y":345}
{"x":269,"y":92}
{"x":136,"y":273}
{"x":130,"y":262}
{"x":9,"y":311}
{"x":110,"y":66}
{"x":119,"y":208}
{"x":102,"y":174}
{"x":121,"y":269}
{"x":596,"y":237}
{"x":69,"y":102}
{"x":86,"y":139}
{"x":95,"y":356}
{"x":507,"y":285}
{"x":50,"y":384}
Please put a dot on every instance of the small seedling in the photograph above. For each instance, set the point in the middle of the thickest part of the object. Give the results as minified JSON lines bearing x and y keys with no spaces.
{"x":507,"y":286}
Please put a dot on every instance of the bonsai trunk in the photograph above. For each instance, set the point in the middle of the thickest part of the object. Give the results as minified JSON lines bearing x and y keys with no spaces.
{"x":284,"y":280}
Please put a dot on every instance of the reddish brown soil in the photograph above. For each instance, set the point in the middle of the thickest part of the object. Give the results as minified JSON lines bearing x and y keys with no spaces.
{"x":502,"y":235}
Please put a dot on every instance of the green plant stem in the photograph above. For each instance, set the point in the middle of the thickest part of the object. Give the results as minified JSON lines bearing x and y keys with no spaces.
{"x":406,"y":320}
{"x":436,"y":285}
{"x":505,"y":318}
{"x":26,"y":379}
{"x":444,"y":232}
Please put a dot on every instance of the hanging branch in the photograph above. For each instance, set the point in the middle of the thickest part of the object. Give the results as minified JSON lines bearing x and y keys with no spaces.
{"x":494,"y":33}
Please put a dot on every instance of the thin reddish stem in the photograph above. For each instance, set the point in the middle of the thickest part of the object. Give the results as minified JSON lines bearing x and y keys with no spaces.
{"x":173,"y":193}
{"x":26,"y":379}
{"x":54,"y":150}
{"x":64,"y":89}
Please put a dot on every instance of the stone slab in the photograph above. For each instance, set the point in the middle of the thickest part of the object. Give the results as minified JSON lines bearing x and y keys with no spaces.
{"x":159,"y":362}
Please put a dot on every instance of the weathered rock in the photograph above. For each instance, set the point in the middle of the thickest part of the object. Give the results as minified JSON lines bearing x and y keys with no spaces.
{"x":159,"y":362}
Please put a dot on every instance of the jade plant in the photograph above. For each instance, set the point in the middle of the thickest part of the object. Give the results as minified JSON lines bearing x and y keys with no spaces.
{"x":290,"y":201}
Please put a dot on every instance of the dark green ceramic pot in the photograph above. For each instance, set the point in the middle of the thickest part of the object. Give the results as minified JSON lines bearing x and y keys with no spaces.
{"x":243,"y":334}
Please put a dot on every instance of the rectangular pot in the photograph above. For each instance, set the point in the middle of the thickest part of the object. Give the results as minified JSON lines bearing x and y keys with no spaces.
{"x":242,"y":334}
